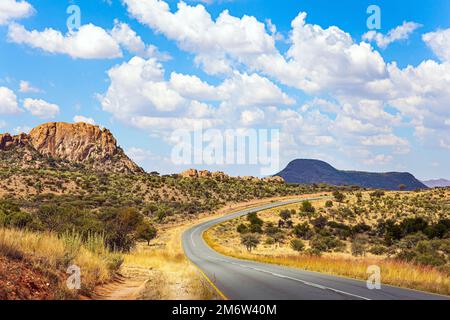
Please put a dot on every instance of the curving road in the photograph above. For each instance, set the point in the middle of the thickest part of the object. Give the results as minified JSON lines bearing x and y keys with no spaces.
{"x":247,"y":280}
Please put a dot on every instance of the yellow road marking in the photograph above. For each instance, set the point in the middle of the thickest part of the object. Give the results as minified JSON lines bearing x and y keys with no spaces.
{"x":224,"y":297}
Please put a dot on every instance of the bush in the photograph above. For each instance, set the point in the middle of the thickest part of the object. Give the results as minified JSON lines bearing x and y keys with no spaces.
{"x":254,"y":219}
{"x":339,"y":196}
{"x":242,"y":228}
{"x":302,"y":230}
{"x":270,"y":229}
{"x":307,"y":207}
{"x":378,"y":250}
{"x":285,"y":214}
{"x":326,"y":244}
{"x":297,"y":245}
{"x":358,"y":247}
{"x":329,"y":204}
{"x":320,"y":222}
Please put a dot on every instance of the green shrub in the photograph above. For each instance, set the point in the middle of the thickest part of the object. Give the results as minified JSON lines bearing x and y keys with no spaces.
{"x":297,"y":245}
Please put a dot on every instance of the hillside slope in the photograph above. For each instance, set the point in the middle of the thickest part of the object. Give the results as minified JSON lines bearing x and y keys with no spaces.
{"x":307,"y":171}
{"x":78,"y":143}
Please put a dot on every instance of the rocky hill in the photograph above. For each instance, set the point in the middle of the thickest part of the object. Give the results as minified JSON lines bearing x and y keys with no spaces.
{"x":306,"y":171}
{"x":58,"y":144}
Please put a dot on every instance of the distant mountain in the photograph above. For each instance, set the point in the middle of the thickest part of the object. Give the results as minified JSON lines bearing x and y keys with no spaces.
{"x":57,"y":144}
{"x":438,"y":183}
{"x":307,"y":171}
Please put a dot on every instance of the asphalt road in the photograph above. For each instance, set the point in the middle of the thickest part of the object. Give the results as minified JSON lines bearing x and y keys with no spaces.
{"x":238,"y":279}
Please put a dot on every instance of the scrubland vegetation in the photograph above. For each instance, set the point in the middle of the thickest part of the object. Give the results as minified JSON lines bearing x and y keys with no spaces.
{"x":51,"y":255}
{"x":406,"y":233}
{"x":117,"y":211}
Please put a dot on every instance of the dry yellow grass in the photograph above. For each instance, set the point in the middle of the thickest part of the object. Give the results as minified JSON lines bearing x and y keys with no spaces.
{"x":166,"y":271}
{"x":393,"y":272}
{"x":55,"y":254}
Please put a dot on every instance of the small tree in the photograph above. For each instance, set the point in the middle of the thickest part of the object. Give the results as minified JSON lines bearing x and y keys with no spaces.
{"x":146,"y":232}
{"x":307,"y":207}
{"x":339,"y":196}
{"x":285,"y":215}
{"x":297,"y":245}
{"x":329,"y":204}
{"x":358,"y":247}
{"x":250,"y":241}
{"x":242,"y":228}
{"x":278,"y":238}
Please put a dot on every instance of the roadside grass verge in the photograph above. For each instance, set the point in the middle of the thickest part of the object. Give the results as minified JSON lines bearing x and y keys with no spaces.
{"x":169,"y":275}
{"x":393,"y":272}
{"x":53,"y":254}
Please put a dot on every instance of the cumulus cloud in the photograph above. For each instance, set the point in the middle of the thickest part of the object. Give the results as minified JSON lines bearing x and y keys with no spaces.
{"x":213,"y":42}
{"x":84,"y":119}
{"x":8,"y":102}
{"x":41,"y":108}
{"x":439,"y":42}
{"x":384,"y":140}
{"x":89,"y":42}
{"x":26,"y":87}
{"x":252,"y":117}
{"x":132,"y":42}
{"x":399,"y":33}
{"x":13,"y":9}
{"x":138,"y":88}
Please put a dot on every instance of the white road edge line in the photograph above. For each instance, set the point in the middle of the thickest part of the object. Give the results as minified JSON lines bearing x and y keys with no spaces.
{"x":294,"y":279}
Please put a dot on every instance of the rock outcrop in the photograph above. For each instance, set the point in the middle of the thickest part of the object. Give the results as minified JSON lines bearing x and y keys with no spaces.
{"x":274,"y":179}
{"x":79,"y":143}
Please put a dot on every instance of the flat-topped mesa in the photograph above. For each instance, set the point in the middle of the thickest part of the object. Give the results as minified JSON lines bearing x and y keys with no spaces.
{"x":76,"y":143}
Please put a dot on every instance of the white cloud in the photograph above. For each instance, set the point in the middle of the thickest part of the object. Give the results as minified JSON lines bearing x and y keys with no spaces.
{"x":84,"y":119}
{"x":328,"y":59}
{"x":384,"y":140}
{"x":128,"y":38}
{"x":251,"y":117}
{"x":26,"y":87}
{"x":213,"y":42}
{"x":439,"y":42}
{"x":21,"y":129}
{"x":89,"y":42}
{"x":8,"y":102}
{"x":138,"y":88}
{"x":140,"y":155}
{"x":41,"y":108}
{"x":13,"y":9}
{"x":399,"y":33}
{"x":380,"y":159}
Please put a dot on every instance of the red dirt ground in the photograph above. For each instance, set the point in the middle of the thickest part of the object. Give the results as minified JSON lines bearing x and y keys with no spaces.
{"x":20,"y":281}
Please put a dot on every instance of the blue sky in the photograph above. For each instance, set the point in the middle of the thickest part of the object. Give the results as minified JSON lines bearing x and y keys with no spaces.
{"x":360,"y":99}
